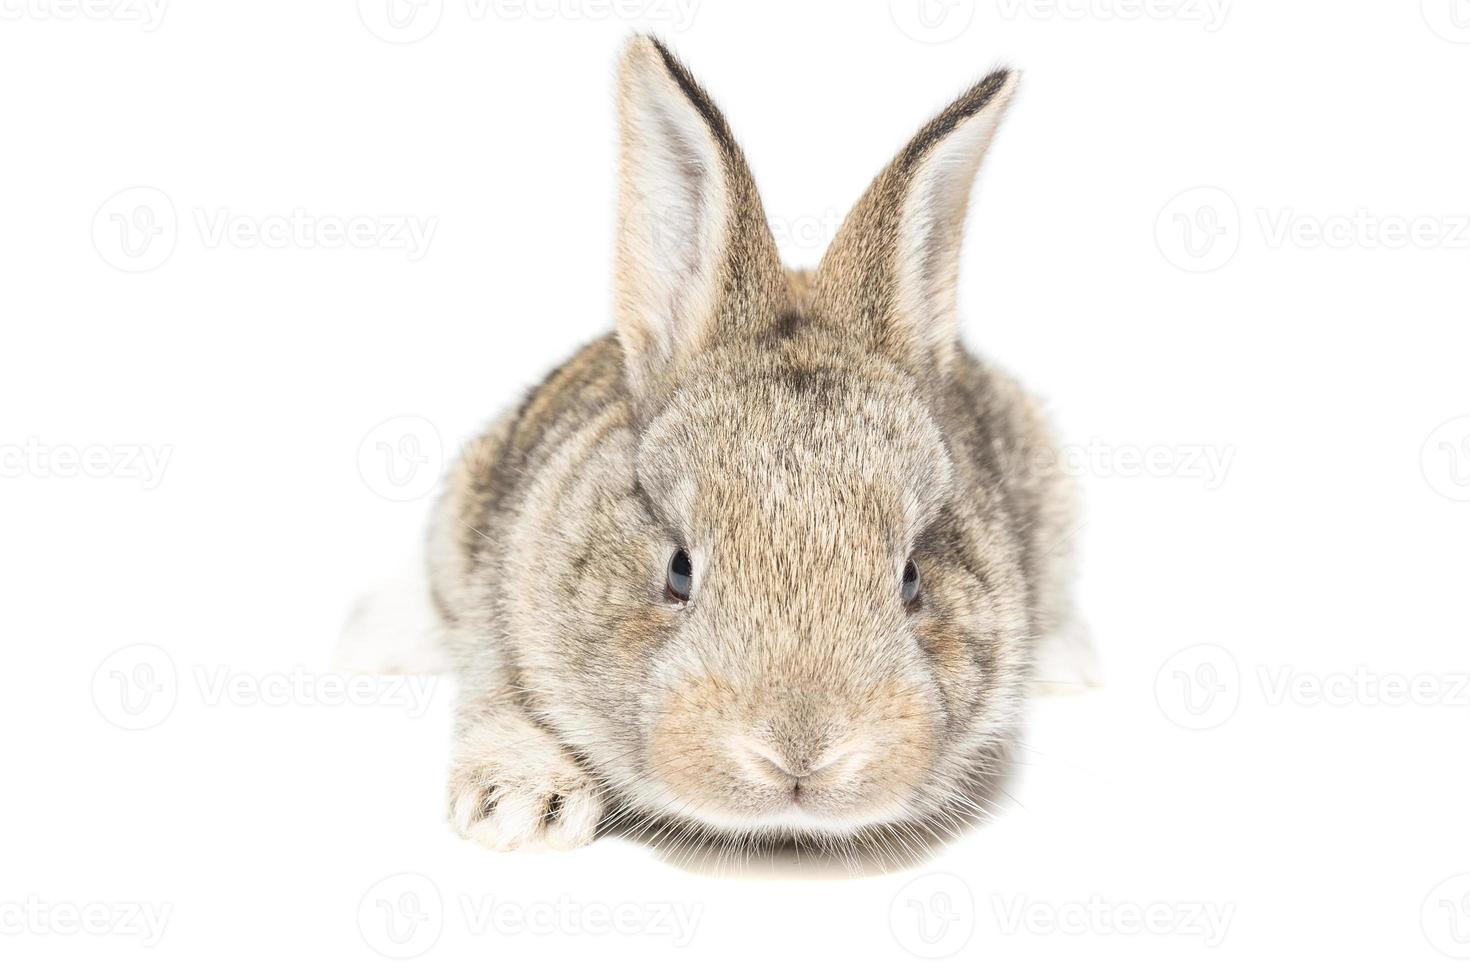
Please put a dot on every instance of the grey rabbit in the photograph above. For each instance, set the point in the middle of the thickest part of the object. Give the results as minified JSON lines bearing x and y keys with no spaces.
{"x":773,"y":560}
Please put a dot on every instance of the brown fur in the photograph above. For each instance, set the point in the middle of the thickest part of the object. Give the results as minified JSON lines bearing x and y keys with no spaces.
{"x":802,"y":435}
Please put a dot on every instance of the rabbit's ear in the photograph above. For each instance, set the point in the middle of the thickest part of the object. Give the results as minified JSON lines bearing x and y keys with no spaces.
{"x":891,"y":270}
{"x":695,"y":255}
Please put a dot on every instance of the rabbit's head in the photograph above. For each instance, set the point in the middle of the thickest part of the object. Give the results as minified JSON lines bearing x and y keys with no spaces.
{"x":815,"y":622}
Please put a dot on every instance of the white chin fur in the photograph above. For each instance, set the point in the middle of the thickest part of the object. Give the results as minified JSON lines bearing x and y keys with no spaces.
{"x":792,"y":820}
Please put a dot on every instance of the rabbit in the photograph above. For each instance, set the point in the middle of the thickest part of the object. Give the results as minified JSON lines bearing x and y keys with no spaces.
{"x":772,"y":560}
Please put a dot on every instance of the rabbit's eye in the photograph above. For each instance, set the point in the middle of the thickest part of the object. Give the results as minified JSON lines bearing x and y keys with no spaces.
{"x":681,"y":576}
{"x":910,"y":589}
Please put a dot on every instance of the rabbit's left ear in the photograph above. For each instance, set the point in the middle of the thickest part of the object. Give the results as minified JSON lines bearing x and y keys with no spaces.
{"x":892,"y":269}
{"x":696,"y":260}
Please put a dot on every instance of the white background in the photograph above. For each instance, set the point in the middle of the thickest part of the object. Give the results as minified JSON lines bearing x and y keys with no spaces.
{"x":1325,"y":552}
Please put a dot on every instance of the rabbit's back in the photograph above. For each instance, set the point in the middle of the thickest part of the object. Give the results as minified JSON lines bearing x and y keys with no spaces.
{"x":486,"y":490}
{"x":1001,"y":430}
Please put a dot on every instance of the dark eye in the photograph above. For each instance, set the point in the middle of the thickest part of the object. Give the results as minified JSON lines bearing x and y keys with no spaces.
{"x":910,"y":583}
{"x":681,"y":576}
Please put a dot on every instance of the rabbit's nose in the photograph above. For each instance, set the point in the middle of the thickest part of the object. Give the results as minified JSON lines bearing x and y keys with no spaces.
{"x":791,"y":765}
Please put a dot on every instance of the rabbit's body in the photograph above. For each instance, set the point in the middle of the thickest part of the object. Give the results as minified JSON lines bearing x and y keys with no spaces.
{"x":810,"y":447}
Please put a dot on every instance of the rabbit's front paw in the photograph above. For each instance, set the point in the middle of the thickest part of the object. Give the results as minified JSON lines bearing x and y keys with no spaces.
{"x":513,"y":786}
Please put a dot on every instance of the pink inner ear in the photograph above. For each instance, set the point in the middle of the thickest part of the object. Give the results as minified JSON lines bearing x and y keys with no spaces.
{"x":932,"y":225}
{"x":690,"y":217}
{"x":891,"y":272}
{"x":671,"y":219}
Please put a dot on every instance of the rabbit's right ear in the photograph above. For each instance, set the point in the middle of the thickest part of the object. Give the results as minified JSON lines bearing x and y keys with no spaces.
{"x":891,"y":272}
{"x":695,"y":255}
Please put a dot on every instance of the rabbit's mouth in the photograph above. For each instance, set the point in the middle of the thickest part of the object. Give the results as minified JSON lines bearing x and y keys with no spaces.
{"x":791,"y":758}
{"x":749,"y":787}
